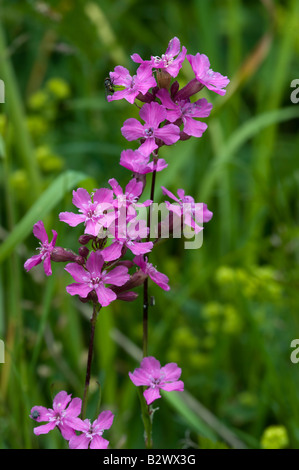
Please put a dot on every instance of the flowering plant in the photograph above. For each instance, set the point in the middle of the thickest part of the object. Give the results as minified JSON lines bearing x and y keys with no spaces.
{"x":106,"y":271}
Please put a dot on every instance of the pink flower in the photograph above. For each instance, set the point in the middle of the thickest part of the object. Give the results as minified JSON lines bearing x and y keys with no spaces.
{"x":127,"y":237}
{"x":139,"y":163}
{"x":167,"y":61}
{"x":204,"y":74}
{"x":139,"y":83}
{"x":159,"y":278}
{"x":182,"y":111}
{"x":130,"y":196}
{"x":152,"y":114}
{"x":94,"y":279}
{"x":63,"y":412}
{"x":91,"y":433}
{"x":95,"y":212}
{"x":155,"y":377}
{"x":45,"y":249}
{"x":188,"y":209}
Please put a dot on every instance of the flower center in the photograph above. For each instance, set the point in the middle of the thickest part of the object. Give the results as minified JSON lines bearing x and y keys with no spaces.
{"x":155,"y":382}
{"x":44,"y":249}
{"x":163,"y":61}
{"x":149,"y":132}
{"x":94,"y":282}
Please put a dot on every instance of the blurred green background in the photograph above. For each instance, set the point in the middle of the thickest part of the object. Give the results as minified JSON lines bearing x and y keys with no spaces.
{"x":232,"y":310}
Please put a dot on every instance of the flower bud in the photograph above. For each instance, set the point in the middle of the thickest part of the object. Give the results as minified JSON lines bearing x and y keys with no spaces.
{"x":59,"y":254}
{"x":84,"y":239}
{"x":83,"y":251}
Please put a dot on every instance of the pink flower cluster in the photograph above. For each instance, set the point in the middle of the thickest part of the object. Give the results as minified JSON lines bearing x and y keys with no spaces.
{"x":112,"y":228}
{"x":64,"y":416}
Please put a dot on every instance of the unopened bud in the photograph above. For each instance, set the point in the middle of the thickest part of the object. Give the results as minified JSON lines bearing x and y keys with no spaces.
{"x":84,"y":239}
{"x":83,"y":251}
{"x":59,"y":254}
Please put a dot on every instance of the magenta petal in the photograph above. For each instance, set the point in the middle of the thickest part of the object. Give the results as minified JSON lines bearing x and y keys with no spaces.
{"x":40,"y":232}
{"x":79,"y":442}
{"x":132,"y":129}
{"x":55,"y":235}
{"x":98,"y":442}
{"x":80,"y":425}
{"x":193,"y":127}
{"x":103,"y":195}
{"x":169,"y":133}
{"x":79,"y":289}
{"x":173,"y":386}
{"x":112,"y":252}
{"x":171,"y":371}
{"x":43,"y":413}
{"x":136,"y":58}
{"x":104,"y":420}
{"x":173,"y":47}
{"x":105,"y":295}
{"x":140,"y":248}
{"x":47,"y":265}
{"x":139,"y":377}
{"x":74,"y":408}
{"x":151,"y":394}
{"x":160,"y":279}
{"x":117,"y":276}
{"x":169,"y":194}
{"x":77,"y":272}
{"x":66,"y":431}
{"x":33,"y":261}
{"x":95,"y":263}
{"x":153,"y":114}
{"x":61,"y":401}
{"x":81,"y":198}
{"x":148,"y":146}
{"x":44,"y":428}
{"x":71,"y":219}
{"x":151,"y":365}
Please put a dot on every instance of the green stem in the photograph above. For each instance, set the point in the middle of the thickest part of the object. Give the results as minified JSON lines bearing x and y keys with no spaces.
{"x":93,"y":321}
{"x":145,"y":285}
{"x":147,"y":419}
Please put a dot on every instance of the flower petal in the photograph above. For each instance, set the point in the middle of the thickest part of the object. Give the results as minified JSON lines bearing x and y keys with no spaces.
{"x":40,"y":232}
{"x":105,"y":295}
{"x":151,"y":394}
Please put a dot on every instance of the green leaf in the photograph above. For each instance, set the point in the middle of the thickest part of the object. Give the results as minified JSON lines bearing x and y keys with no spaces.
{"x":46,"y":202}
{"x":197,"y":424}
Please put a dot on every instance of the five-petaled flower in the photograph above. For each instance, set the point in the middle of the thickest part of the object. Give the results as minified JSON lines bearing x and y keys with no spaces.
{"x":91,"y":433}
{"x":139,"y":83}
{"x":187,"y":209}
{"x":64,"y":411}
{"x":93,"y":278}
{"x":96,"y":211}
{"x":153,"y":114}
{"x":205,"y":75}
{"x":127,"y":236}
{"x":45,"y":249}
{"x":171,"y":61}
{"x":155,"y":377}
{"x":183,"y":111}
